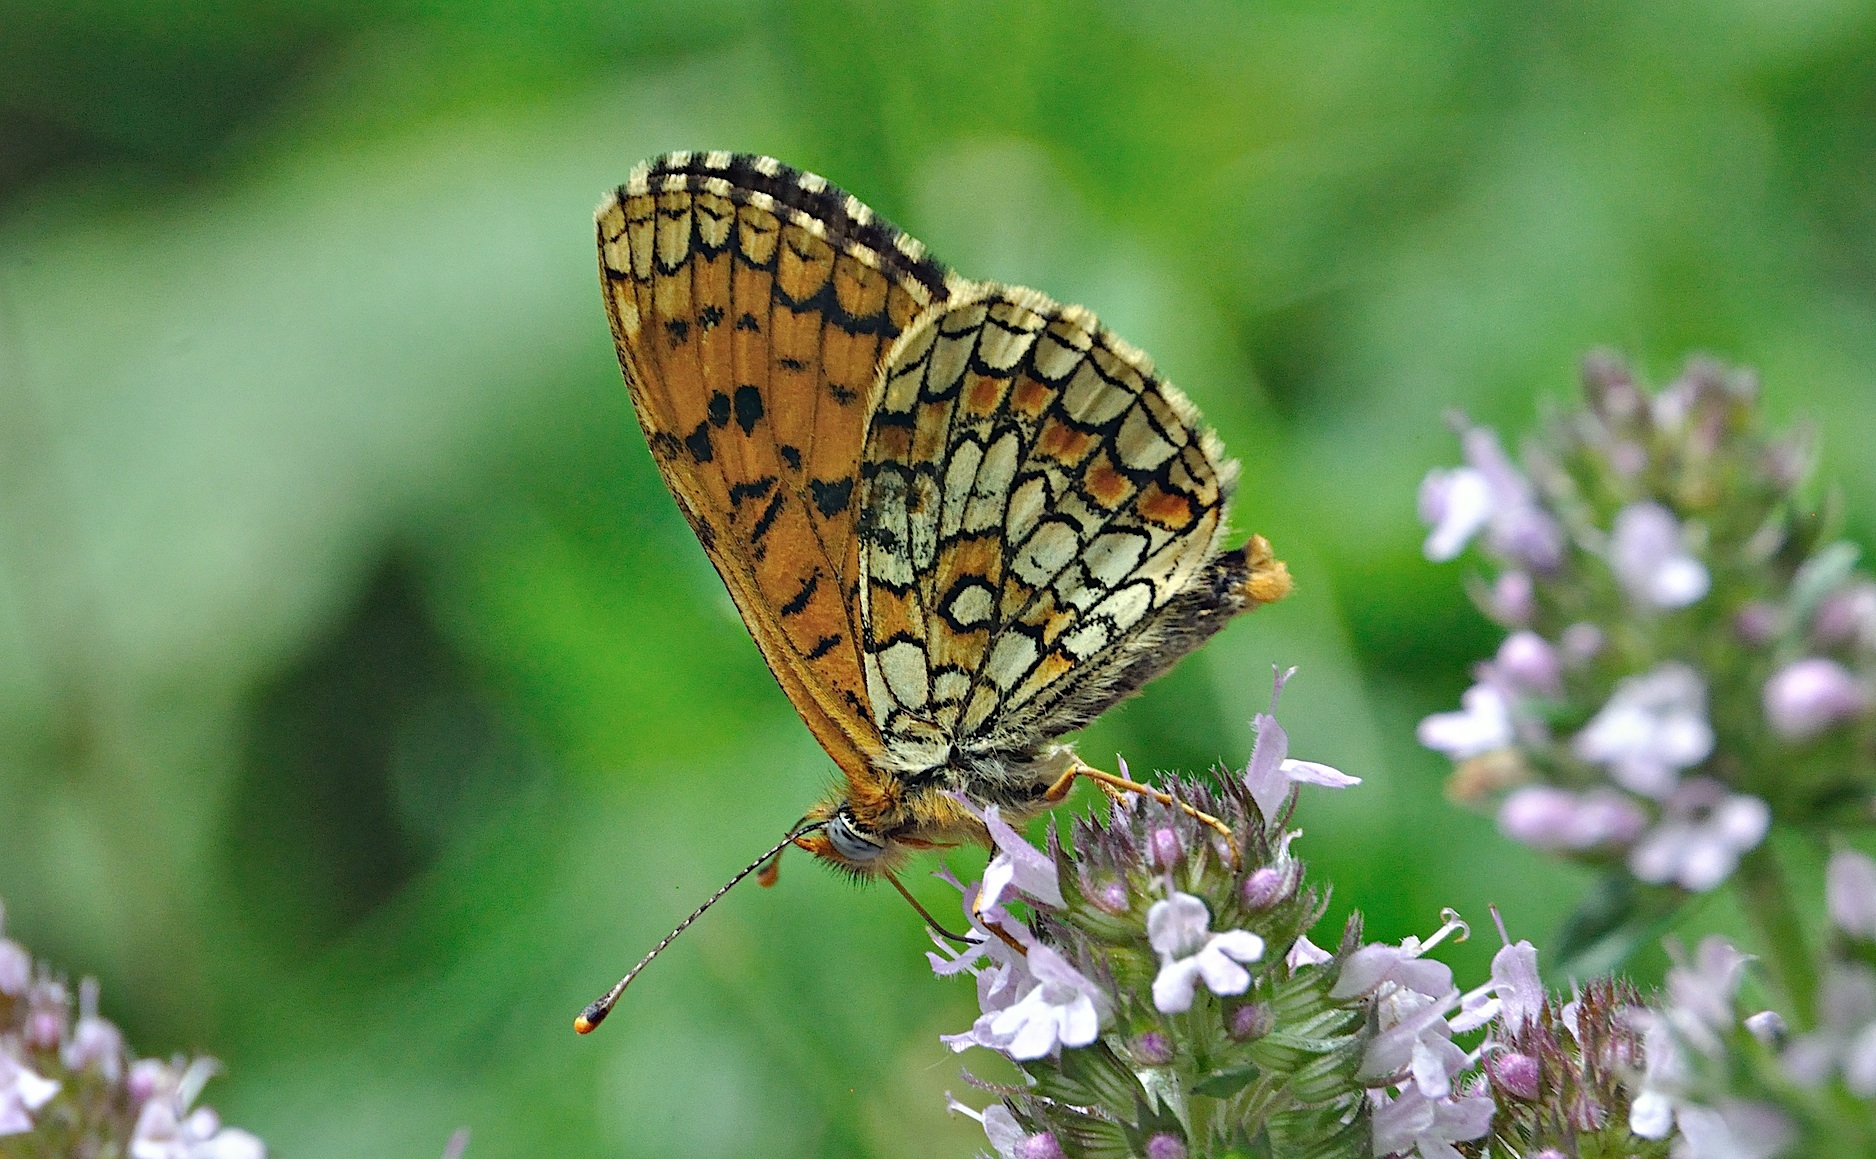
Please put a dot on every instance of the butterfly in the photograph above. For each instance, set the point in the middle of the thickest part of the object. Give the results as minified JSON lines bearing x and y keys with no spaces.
{"x":959,"y":519}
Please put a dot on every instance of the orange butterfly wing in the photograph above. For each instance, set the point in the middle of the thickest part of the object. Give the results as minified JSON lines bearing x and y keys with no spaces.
{"x":752,"y":305}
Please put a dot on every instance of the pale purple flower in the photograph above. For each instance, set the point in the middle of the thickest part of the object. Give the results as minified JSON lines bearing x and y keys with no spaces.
{"x":95,"y":1042}
{"x":1304,"y":952}
{"x":1006,"y":1135}
{"x":1018,"y":865}
{"x":1807,"y":696}
{"x":1000,"y":984}
{"x":1271,"y":772}
{"x":1845,"y":1041}
{"x":1651,"y":1113}
{"x":16,"y":965}
{"x":1704,"y":830}
{"x":22,"y":1091}
{"x":1373,"y":966}
{"x":1482,"y":725}
{"x":1546,"y":817}
{"x":168,"y":1129}
{"x":1411,"y":1123}
{"x":1701,"y":993}
{"x":1653,"y":726}
{"x":1515,"y":994}
{"x":1649,"y":559}
{"x":1512,"y":600}
{"x":1062,"y":1008}
{"x":1527,"y":662}
{"x":1850,"y":891}
{"x":1580,"y":643}
{"x":1519,"y":528}
{"x":1414,"y":1039}
{"x":1488,"y":493}
{"x":1179,"y":930}
{"x":1847,"y":617}
{"x":1456,"y":504}
{"x":1734,"y":1130}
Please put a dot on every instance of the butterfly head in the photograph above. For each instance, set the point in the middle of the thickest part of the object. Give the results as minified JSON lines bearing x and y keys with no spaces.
{"x":869,"y":836}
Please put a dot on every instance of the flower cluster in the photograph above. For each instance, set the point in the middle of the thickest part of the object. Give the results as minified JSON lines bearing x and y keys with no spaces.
{"x":68,"y":1086}
{"x":1689,"y":653}
{"x":1160,"y":997}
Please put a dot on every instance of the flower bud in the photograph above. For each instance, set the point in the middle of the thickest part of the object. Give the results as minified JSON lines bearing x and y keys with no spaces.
{"x":1163,"y":848}
{"x":1265,"y":887}
{"x":1808,"y":696}
{"x":1165,"y":1145}
{"x":1518,"y":1075}
{"x":1528,"y":661}
{"x":1580,"y":643}
{"x":1513,"y":599}
{"x":1850,"y":893}
{"x":1768,"y":1026}
{"x":1041,"y":1145}
{"x":1152,"y":1049}
{"x":1106,"y":893}
{"x":1252,"y":1020}
{"x":1846,"y":617}
{"x":1756,"y":623}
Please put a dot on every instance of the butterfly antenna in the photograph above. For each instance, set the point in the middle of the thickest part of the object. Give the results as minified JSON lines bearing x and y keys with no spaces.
{"x":596,"y":1013}
{"x":929,"y":920}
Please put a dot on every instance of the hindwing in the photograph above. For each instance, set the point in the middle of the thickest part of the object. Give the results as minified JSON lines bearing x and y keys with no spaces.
{"x":752,"y":305}
{"x":1036,"y":499}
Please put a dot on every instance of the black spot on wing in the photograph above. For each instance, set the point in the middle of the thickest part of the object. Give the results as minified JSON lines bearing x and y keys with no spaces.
{"x":791,"y":456}
{"x":799,"y":603}
{"x":748,"y":322}
{"x":679,"y":329}
{"x":824,"y":645}
{"x":698,"y":442}
{"x":664,"y":445}
{"x":719,"y":409}
{"x":767,"y":520}
{"x":748,"y":408}
{"x":831,"y":496}
{"x":709,"y":317}
{"x":753,"y":489}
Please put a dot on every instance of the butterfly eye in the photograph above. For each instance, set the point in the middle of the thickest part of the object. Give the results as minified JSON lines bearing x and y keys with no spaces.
{"x":849,"y":842}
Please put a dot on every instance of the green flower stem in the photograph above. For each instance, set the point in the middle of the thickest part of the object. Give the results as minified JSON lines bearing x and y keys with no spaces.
{"x":1767,"y":900}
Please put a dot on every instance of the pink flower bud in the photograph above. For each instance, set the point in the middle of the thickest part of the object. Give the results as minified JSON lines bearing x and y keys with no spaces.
{"x":1165,"y":1145}
{"x":1264,"y":888}
{"x":1808,"y":696}
{"x":1252,"y":1020}
{"x":1152,"y":1049}
{"x":1513,"y":599}
{"x":1518,"y":1075}
{"x":1756,"y":623}
{"x":1528,"y":661}
{"x":1041,"y":1145}
{"x":1580,"y":643}
{"x":1163,"y":848}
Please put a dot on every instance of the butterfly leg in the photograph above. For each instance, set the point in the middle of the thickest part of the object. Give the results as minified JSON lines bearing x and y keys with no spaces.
{"x":1114,"y":785}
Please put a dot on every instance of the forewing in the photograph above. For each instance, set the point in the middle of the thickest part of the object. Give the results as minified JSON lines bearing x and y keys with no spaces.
{"x":1033,"y":496}
{"x":752,"y":305}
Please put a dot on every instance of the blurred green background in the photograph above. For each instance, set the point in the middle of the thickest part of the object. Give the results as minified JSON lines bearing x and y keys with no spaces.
{"x":366,"y":706}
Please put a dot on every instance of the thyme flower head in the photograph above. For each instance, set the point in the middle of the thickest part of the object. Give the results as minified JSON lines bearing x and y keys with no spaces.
{"x":70,"y":1086}
{"x":1691,"y":654}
